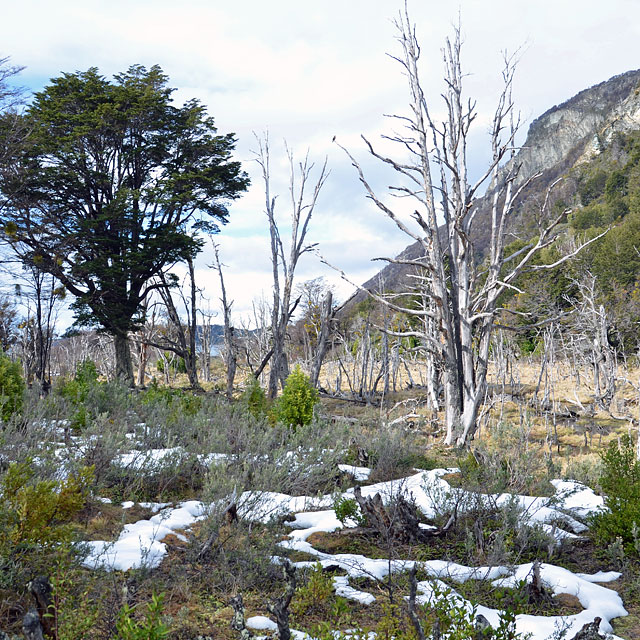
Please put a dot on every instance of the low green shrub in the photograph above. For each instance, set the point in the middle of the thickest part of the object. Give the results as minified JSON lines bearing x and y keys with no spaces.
{"x":620,"y":482}
{"x":151,"y":628}
{"x":39,"y":512}
{"x":36,"y":528}
{"x":255,"y":398}
{"x":77,"y":389}
{"x":347,"y":508}
{"x":11,"y":387}
{"x":315,"y":596}
{"x":295,"y":406}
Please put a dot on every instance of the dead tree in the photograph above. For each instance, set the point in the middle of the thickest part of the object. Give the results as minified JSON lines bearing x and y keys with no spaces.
{"x":183,"y":341}
{"x":42,"y":296}
{"x":280,"y":607}
{"x":435,"y":176}
{"x":31,"y":626}
{"x":147,"y":331}
{"x":238,"y":621}
{"x":206,"y":342}
{"x":230,"y":346}
{"x":591,"y":631}
{"x":397,"y":521}
{"x":322,"y":343}
{"x":255,"y":341}
{"x":284,"y":268}
{"x":593,"y":324}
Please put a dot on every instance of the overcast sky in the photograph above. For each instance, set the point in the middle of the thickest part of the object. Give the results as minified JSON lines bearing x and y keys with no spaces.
{"x":308,"y":71}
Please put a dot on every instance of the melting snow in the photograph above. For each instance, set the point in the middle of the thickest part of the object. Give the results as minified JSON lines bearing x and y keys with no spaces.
{"x":360,"y":474}
{"x":140,"y":544}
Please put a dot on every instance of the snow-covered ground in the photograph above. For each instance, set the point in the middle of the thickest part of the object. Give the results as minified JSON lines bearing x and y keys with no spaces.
{"x":141,"y":544}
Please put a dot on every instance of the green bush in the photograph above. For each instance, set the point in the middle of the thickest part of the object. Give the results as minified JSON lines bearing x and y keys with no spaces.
{"x":346,"y":508}
{"x":85,"y":378}
{"x":151,"y":628}
{"x":255,"y":398}
{"x":36,"y":528}
{"x":295,"y":405}
{"x":173,"y":404}
{"x":313,"y":596}
{"x":39,"y":512}
{"x":11,"y":387}
{"x":620,"y":482}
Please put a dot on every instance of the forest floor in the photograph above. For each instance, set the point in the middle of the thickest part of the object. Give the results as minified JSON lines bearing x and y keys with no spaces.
{"x":156,"y":522}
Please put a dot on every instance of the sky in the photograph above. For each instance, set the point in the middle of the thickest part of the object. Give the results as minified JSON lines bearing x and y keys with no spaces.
{"x":308,"y":71}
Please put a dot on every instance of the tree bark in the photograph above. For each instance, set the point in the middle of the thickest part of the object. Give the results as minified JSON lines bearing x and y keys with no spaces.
{"x":31,"y":626}
{"x":124,"y":364}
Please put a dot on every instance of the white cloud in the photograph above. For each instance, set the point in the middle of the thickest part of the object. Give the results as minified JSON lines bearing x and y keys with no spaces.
{"x":308,"y":72}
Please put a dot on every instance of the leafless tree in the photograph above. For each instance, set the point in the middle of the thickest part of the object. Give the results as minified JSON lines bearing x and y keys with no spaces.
{"x":42,"y":295}
{"x":592,"y":326}
{"x":230,"y":345}
{"x":182,"y":339}
{"x":69,"y":352}
{"x":433,"y":173}
{"x":142,"y":340}
{"x":206,"y":340}
{"x":315,"y":325}
{"x":302,"y":206}
{"x":255,"y":339}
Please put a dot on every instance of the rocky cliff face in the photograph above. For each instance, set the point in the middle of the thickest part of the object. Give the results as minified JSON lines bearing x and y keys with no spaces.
{"x":560,"y":139}
{"x":578,"y":128}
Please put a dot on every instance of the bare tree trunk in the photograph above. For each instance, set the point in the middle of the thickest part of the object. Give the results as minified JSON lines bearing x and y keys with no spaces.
{"x":323,"y":338}
{"x":283,"y":268}
{"x":146,"y":332}
{"x":184,"y":344}
{"x":205,"y":345}
{"x":230,"y":347}
{"x":31,"y":626}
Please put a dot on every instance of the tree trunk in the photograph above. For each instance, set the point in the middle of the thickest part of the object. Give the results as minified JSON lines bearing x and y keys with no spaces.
{"x":323,"y":338}
{"x":230,"y":358}
{"x":124,"y":364}
{"x":31,"y":626}
{"x":142,"y":363}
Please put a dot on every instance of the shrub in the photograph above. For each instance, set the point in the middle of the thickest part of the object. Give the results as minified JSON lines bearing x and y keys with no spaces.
{"x":620,"y":481}
{"x":11,"y":387}
{"x":151,"y":628}
{"x":295,"y":405}
{"x":39,"y":512}
{"x":35,"y":522}
{"x":312,"y":596}
{"x":454,"y":620}
{"x":255,"y":398}
{"x":347,"y":509}
{"x":77,"y":389}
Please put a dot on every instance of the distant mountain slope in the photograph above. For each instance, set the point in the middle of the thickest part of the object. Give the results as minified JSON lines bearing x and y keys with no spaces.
{"x":560,"y":139}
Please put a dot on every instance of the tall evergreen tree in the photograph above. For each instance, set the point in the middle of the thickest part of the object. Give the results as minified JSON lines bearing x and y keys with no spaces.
{"x":110,"y":186}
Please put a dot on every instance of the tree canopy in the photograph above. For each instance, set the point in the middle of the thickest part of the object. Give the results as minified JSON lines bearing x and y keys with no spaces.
{"x":109,"y":187}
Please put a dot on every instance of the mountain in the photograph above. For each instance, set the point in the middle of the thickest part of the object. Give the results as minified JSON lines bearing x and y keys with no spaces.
{"x":561,"y":139}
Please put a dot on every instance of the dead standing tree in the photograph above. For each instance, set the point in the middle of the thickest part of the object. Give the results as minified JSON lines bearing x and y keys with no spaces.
{"x":181,"y":340}
{"x":302,"y":206}
{"x":435,"y":175}
{"x":230,"y":344}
